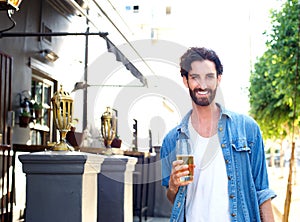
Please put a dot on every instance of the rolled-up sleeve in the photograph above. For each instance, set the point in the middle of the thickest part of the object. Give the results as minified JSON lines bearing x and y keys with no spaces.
{"x":264,"y":195}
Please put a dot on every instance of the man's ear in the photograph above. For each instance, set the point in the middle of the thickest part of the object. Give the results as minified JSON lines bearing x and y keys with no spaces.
{"x":219,"y":79}
{"x":185,"y":82}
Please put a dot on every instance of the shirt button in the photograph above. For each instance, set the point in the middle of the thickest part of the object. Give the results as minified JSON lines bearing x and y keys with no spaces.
{"x":223,"y":145}
{"x":231,"y":196}
{"x":229,"y":177}
{"x":226,"y":161}
{"x":178,"y":205}
{"x":233,"y":214}
{"x":221,"y":129}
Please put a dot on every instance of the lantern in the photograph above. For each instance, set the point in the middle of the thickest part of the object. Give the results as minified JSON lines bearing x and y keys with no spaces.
{"x":62,"y":109}
{"x":108,"y":128}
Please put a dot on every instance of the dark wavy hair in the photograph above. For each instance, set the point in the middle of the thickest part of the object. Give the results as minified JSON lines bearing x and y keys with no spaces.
{"x":199,"y":54}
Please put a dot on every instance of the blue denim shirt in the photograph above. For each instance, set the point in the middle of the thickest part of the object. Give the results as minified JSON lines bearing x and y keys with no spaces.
{"x":243,"y":151}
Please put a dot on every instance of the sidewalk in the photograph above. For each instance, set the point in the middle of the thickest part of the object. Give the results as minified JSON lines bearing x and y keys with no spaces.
{"x":278,"y":179}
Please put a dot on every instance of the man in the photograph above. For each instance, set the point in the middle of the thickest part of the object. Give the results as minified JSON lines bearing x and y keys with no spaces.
{"x":230,"y":176}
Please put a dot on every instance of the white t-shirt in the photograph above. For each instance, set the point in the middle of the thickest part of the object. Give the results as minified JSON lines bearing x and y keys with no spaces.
{"x":207,"y":197}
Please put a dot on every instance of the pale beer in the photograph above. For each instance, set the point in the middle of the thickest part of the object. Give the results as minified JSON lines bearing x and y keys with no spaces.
{"x":189,"y":160}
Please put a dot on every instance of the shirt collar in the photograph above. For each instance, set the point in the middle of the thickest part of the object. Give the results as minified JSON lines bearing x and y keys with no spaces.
{"x":183,"y":126}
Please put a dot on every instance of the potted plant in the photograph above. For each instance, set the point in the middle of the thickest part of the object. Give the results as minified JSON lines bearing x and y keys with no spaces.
{"x":24,"y":119}
{"x":37,"y":108}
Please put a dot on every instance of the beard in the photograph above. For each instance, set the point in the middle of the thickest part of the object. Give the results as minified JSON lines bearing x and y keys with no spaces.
{"x":203,"y":101}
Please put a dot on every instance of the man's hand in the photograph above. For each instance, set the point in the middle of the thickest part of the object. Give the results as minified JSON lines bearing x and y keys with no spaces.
{"x":178,"y":170}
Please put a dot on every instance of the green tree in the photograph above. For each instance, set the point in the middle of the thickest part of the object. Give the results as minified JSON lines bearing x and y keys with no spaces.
{"x":274,"y":82}
{"x":275,"y":86}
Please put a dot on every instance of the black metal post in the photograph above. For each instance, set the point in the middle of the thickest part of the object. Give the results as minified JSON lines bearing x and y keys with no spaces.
{"x":85,"y":76}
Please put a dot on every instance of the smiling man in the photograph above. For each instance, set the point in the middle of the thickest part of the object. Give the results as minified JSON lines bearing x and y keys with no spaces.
{"x":230,"y":176}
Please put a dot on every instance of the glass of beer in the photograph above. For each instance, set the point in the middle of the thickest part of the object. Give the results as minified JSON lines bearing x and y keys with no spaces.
{"x":184,"y":152}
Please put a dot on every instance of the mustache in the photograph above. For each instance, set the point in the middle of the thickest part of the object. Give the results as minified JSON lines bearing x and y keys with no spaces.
{"x":201,"y":90}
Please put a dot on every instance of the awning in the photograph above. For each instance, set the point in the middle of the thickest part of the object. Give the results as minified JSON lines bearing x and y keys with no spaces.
{"x":110,"y":47}
{"x":122,"y":58}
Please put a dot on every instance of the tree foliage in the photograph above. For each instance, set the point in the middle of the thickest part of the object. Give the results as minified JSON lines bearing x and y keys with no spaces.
{"x":274,"y":82}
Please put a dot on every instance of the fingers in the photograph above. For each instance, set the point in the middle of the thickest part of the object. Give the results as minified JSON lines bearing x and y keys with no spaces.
{"x":178,"y":170}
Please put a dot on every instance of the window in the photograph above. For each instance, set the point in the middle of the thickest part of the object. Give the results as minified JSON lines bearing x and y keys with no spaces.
{"x":41,"y":93}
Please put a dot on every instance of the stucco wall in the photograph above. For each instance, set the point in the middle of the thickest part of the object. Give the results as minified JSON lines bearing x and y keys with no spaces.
{"x":66,"y":70}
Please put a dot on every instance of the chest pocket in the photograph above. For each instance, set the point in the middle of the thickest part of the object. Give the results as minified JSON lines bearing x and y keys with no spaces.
{"x":241,"y":145}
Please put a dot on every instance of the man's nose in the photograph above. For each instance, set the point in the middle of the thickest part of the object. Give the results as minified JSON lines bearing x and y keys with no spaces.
{"x":201,"y":82}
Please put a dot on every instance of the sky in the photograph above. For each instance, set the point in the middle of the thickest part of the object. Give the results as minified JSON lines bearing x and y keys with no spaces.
{"x":232,"y":28}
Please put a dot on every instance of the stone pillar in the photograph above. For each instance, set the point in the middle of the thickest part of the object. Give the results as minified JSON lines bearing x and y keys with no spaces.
{"x":115,"y":190}
{"x":61,"y":186}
